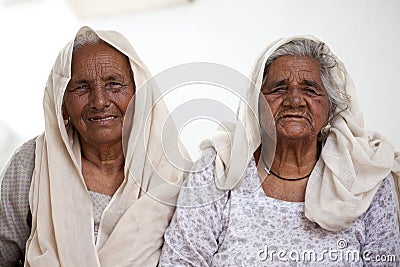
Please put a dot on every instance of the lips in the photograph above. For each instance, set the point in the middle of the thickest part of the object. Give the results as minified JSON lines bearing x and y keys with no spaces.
{"x":102,"y":118}
{"x":280,"y":116}
{"x":292,"y":116}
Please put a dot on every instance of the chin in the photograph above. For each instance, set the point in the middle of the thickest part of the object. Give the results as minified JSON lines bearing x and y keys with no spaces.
{"x":295,"y":135}
{"x":104,"y":138}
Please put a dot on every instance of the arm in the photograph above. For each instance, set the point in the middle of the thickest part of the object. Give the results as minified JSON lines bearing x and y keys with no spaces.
{"x":14,"y":205}
{"x":193,"y":235}
{"x":382,"y":238}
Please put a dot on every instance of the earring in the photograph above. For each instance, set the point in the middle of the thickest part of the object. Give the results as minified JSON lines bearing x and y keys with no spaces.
{"x":66,"y":122}
{"x":325,"y":131}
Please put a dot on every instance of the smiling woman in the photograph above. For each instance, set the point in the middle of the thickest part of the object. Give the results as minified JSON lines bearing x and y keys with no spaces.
{"x":98,"y":94}
{"x":77,"y":194}
{"x":95,"y":102}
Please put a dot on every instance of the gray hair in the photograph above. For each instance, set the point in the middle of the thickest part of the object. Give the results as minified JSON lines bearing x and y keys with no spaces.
{"x":337,"y":96}
{"x":86,"y":38}
{"x":91,"y":38}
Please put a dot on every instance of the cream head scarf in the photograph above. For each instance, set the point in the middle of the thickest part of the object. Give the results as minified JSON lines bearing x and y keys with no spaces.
{"x":132,"y":225}
{"x":352,"y":164}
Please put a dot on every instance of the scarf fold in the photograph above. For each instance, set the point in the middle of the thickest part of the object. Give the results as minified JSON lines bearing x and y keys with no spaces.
{"x":132,"y":225}
{"x":352,"y":164}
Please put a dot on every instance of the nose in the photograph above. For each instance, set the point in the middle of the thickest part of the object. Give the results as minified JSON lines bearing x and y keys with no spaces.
{"x":99,"y":98}
{"x":294,"y":98}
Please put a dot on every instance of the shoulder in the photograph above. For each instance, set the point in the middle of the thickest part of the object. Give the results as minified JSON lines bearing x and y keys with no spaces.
{"x":206,"y":160}
{"x":199,"y":187}
{"x":17,"y":175}
{"x":382,"y":210}
{"x":15,"y":218}
{"x":26,"y":152}
{"x":382,"y":236}
{"x":202,"y":172}
{"x":23,"y":157}
{"x":385,"y":193}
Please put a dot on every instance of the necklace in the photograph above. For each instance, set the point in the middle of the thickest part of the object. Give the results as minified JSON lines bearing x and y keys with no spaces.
{"x":269,"y":171}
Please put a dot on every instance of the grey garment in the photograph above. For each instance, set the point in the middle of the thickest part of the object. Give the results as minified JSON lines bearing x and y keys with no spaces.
{"x":15,"y":216}
{"x":100,"y":202}
{"x":244,"y":227}
{"x":9,"y":141}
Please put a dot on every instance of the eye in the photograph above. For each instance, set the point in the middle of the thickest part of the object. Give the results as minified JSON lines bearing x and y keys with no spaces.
{"x":276,"y":90}
{"x":311,"y":91}
{"x":79,"y":88}
{"x":114,"y":86}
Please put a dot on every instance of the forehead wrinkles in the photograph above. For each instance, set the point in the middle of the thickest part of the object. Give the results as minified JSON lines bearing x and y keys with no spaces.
{"x":306,"y":75}
{"x":99,"y":61}
{"x":293,"y":69}
{"x":100,"y":65}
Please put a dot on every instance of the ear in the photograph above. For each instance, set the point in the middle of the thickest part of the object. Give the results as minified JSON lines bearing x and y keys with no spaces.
{"x":331,"y":112}
{"x":64,"y":112}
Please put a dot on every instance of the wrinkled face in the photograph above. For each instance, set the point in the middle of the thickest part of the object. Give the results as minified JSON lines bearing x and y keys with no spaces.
{"x":98,"y":93}
{"x":297,"y":97}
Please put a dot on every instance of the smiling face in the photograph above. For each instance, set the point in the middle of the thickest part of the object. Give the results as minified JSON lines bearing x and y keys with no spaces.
{"x":297,"y":97}
{"x":98,"y":93}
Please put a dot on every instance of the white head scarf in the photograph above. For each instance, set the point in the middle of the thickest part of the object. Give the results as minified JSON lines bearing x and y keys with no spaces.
{"x":352,"y":164}
{"x":132,"y":225}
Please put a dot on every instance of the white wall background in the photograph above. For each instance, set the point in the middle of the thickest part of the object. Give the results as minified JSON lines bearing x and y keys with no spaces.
{"x":365,"y":34}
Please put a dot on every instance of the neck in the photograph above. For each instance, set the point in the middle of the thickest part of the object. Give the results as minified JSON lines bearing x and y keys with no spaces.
{"x":103,"y":167}
{"x":104,"y":156}
{"x":292,"y":160}
{"x":295,"y":159}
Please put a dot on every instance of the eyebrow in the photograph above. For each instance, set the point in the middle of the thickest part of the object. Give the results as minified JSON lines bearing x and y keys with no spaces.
{"x":311,"y":83}
{"x":279,"y":83}
{"x":113,"y":77}
{"x":78,"y":81}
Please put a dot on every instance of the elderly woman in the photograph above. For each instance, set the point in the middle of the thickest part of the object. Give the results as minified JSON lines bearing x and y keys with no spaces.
{"x":325,"y":198}
{"x":80,"y":194}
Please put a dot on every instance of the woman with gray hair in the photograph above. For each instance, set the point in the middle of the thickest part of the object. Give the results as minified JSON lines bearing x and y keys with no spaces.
{"x":322,"y":193}
{"x":93,"y":189}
